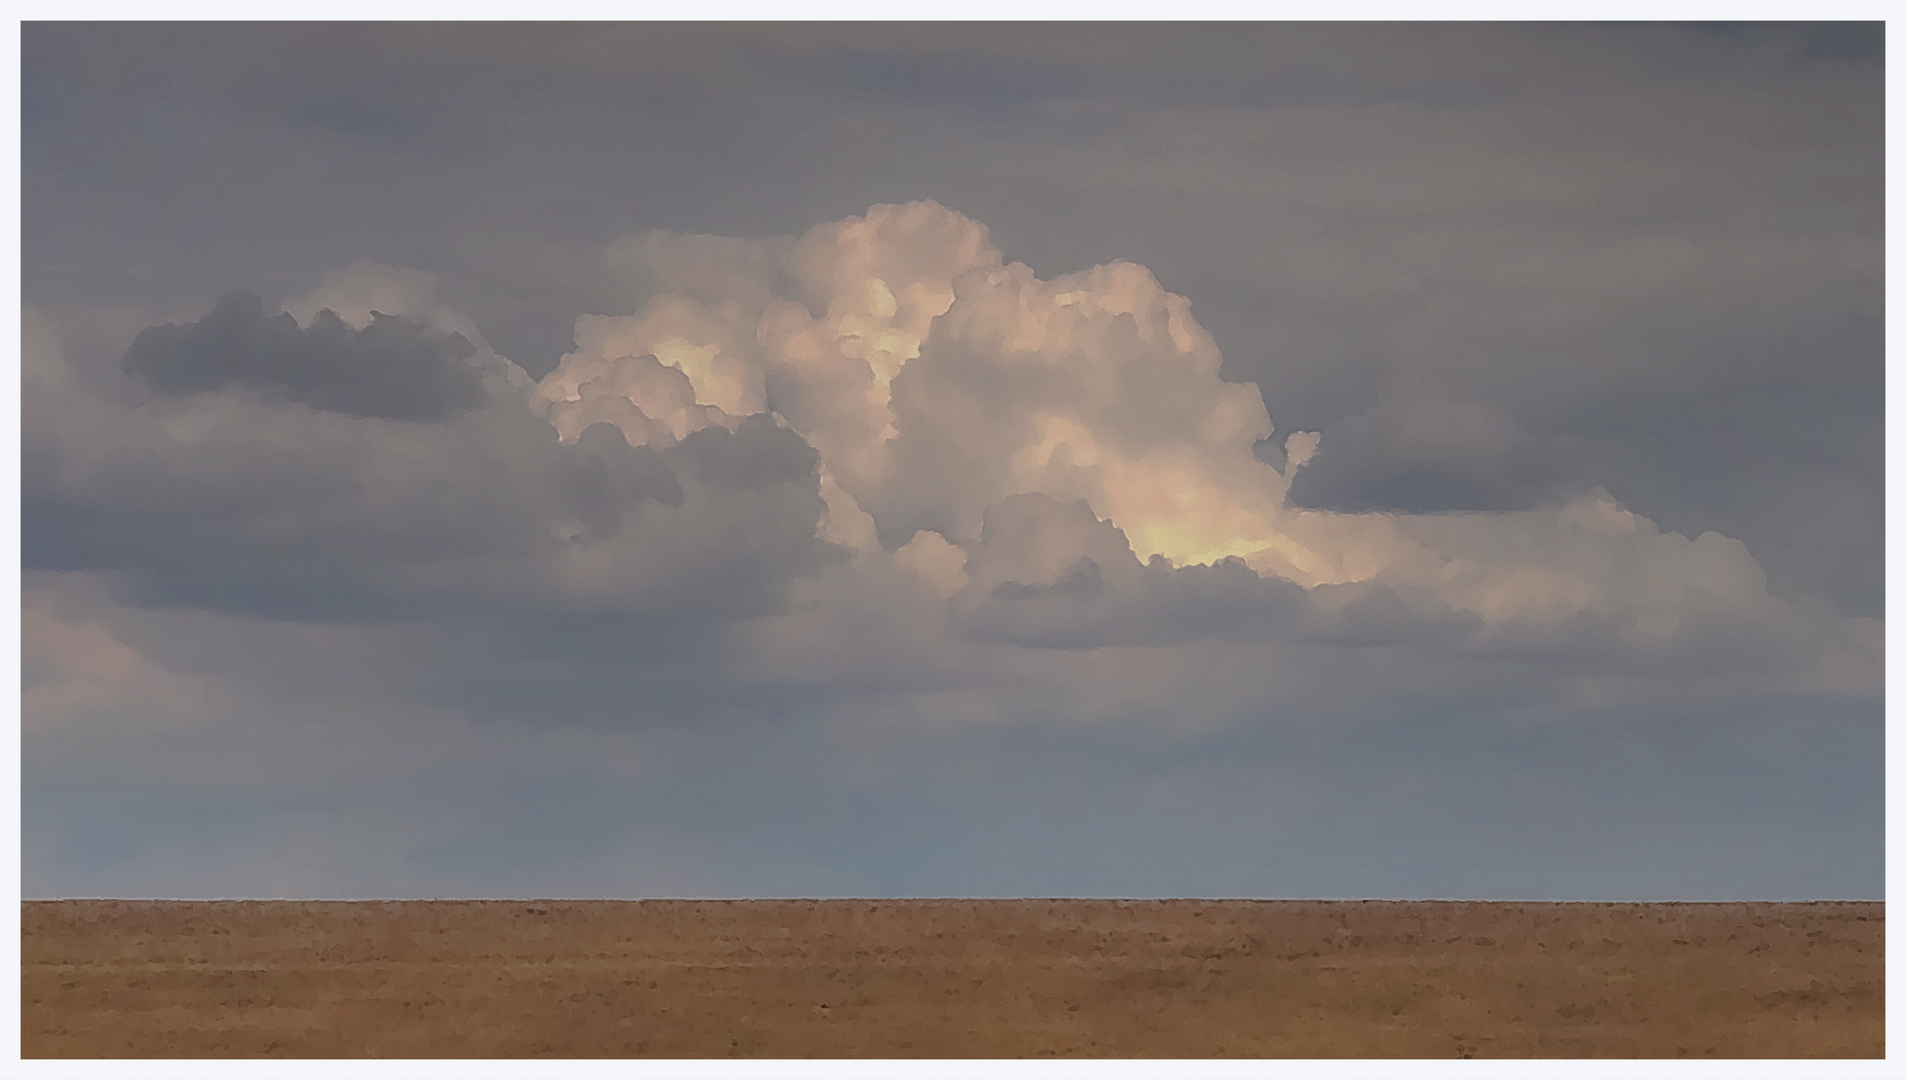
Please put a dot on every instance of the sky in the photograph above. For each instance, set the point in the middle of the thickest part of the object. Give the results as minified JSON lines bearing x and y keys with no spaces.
{"x":743,"y":460}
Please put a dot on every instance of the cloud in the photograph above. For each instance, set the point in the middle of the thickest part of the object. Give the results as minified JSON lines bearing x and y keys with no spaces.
{"x":934,"y":380}
{"x":390,"y":369}
{"x":1554,"y":337}
{"x":75,"y":673}
{"x":1424,"y":452}
{"x":939,"y":383}
{"x":881,"y":422}
{"x":1562,"y":225}
{"x":1051,"y":575}
{"x":228,"y":498}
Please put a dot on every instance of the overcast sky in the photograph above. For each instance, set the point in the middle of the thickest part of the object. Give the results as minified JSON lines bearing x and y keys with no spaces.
{"x":1143,"y":460}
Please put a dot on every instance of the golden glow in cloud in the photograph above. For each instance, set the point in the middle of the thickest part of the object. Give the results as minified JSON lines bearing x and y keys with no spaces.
{"x":936,"y":379}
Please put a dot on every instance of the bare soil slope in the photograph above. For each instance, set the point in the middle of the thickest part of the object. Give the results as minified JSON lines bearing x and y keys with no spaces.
{"x":879,"y":978}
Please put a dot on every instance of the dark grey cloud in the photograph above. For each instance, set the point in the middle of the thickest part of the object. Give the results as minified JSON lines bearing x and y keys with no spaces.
{"x":1424,"y":453}
{"x":393,"y":369}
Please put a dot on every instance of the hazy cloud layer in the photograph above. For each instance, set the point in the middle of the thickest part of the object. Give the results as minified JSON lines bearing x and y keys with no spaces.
{"x":1117,"y":459}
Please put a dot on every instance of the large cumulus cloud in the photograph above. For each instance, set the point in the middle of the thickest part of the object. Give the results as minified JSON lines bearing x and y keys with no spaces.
{"x":943,"y":385}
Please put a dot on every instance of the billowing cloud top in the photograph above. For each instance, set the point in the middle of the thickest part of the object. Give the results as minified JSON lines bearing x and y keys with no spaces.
{"x":940,"y":383}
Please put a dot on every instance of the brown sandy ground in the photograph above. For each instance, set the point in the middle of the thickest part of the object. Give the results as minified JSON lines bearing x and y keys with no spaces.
{"x":879,"y":978}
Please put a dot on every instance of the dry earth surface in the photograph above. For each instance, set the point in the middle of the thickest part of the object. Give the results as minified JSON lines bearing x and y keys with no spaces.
{"x":880,"y":978}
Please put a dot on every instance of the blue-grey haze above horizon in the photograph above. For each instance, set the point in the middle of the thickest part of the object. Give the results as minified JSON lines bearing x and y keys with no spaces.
{"x":1270,"y":460}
